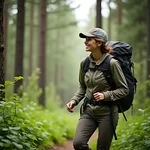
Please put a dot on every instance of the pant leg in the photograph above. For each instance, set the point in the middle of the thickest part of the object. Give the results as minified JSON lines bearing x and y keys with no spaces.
{"x":106,"y":133}
{"x":84,"y":131}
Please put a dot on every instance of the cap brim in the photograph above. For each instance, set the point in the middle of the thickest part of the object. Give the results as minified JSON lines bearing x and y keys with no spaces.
{"x":85,"y":35}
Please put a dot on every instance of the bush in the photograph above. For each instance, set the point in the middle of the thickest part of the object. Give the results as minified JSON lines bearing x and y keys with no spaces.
{"x":30,"y":127}
{"x":135,"y":135}
{"x":132,"y":135}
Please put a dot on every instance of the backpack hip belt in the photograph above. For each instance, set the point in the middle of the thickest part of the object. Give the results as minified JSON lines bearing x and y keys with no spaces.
{"x":98,"y":103}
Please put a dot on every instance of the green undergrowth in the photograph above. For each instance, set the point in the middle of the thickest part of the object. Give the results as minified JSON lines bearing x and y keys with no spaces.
{"x":30,"y":127}
{"x":133,"y":134}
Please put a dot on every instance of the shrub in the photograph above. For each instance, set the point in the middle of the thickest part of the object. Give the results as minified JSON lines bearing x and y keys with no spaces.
{"x":30,"y":127}
{"x":135,"y":135}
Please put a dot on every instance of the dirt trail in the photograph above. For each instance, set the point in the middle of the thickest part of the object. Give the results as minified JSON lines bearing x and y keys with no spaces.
{"x":68,"y":145}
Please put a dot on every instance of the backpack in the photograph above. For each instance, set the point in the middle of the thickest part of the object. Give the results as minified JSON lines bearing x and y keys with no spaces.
{"x":122,"y":52}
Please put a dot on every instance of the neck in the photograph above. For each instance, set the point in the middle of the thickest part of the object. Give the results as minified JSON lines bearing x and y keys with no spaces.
{"x":97,"y":55}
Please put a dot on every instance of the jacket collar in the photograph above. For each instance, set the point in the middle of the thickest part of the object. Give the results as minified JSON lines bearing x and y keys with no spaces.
{"x":101,"y":60}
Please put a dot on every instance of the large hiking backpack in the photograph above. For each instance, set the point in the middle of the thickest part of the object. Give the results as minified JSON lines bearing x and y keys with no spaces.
{"x":122,"y":52}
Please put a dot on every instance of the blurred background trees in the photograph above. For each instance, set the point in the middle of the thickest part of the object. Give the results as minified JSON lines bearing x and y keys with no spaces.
{"x":19,"y":51}
{"x":44,"y":34}
{"x":1,"y":50}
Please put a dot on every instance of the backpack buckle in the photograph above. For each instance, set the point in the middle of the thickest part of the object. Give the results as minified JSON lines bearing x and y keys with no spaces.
{"x":94,"y":102}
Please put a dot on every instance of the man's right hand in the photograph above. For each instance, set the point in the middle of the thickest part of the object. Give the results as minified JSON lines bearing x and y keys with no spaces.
{"x":70,"y":106}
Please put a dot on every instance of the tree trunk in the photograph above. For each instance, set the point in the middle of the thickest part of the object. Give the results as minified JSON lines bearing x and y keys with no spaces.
{"x":148,"y":48}
{"x":31,"y":38}
{"x":19,"y":42}
{"x":119,"y":12}
{"x":109,"y":21}
{"x":61,"y":69}
{"x":5,"y":34}
{"x":42,"y":50}
{"x":57,"y":64}
{"x":1,"y":50}
{"x":98,"y":14}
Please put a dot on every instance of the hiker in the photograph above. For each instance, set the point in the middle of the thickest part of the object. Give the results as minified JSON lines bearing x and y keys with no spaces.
{"x":97,"y":94}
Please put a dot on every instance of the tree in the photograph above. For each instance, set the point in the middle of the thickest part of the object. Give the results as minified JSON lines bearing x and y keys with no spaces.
{"x":135,"y":16}
{"x":119,"y":9}
{"x":1,"y":49}
{"x":109,"y":20}
{"x":31,"y":37}
{"x":98,"y":14}
{"x":42,"y":50}
{"x":5,"y":33}
{"x":133,"y":31}
{"x":19,"y":42}
{"x":148,"y":47}
{"x":68,"y":48}
{"x":62,"y":51}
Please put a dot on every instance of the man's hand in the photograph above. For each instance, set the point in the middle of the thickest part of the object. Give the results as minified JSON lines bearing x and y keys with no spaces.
{"x":70,"y":106}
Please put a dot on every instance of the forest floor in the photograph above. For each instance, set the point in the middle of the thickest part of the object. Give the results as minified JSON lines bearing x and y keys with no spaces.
{"x":68,"y":145}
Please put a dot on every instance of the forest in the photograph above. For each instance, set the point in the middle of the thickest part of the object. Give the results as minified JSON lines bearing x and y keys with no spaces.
{"x":40,"y":54}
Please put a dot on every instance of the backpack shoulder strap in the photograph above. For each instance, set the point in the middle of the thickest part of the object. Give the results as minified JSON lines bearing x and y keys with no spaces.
{"x":106,"y":63}
{"x":105,"y":68}
{"x":86,"y":65}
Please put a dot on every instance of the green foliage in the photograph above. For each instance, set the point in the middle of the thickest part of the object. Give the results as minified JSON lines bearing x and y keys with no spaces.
{"x":141,"y":99}
{"x":9,"y":85}
{"x":18,"y":78}
{"x":135,"y":135}
{"x":52,"y":99}
{"x":30,"y":127}
{"x":33,"y":91}
{"x":134,"y":20}
{"x":93,"y":144}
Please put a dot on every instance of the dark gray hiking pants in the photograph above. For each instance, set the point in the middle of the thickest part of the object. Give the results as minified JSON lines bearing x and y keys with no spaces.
{"x":86,"y":127}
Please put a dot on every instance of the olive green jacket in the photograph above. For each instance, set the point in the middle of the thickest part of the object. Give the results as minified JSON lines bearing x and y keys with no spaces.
{"x":94,"y":81}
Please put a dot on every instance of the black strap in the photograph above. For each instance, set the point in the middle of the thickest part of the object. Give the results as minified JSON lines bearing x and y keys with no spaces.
{"x":105,"y":68}
{"x":86,"y":64}
{"x":134,"y":79}
{"x":83,"y":106}
{"x":122,"y":111}
{"x":111,"y":108}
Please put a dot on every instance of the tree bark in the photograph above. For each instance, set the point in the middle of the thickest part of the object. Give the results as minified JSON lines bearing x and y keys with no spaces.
{"x":19,"y":42}
{"x":42,"y":50}
{"x":1,"y":50}
{"x":56,"y":63}
{"x":119,"y":12}
{"x":98,"y":14}
{"x":109,"y":21}
{"x":31,"y":38}
{"x":5,"y":23}
{"x":148,"y":48}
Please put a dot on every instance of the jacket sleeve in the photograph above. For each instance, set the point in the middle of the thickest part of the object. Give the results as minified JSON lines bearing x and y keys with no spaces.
{"x":119,"y":79}
{"x":80,"y":94}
